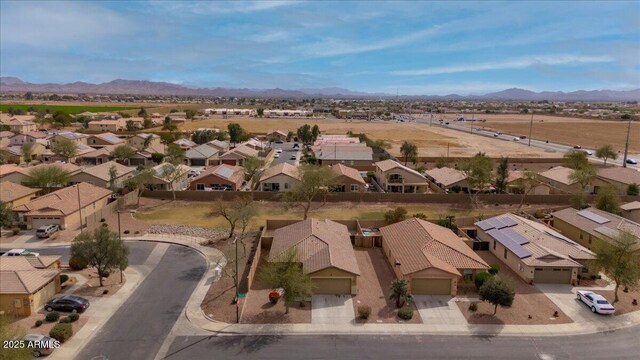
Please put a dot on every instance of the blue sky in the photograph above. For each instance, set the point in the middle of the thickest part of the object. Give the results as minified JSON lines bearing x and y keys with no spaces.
{"x":405,"y":47}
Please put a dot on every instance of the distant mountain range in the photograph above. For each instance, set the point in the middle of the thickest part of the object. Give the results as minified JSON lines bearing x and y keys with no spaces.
{"x":143,"y":87}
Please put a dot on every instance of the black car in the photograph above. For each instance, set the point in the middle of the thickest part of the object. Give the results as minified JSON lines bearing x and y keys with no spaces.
{"x":68,"y":303}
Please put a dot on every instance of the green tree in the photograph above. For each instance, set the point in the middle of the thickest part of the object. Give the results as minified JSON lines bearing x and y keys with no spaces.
{"x":142,"y":112}
{"x":315,"y":132}
{"x":147,"y":123}
{"x":496,"y":291}
{"x":47,"y":177}
{"x":8,"y":332}
{"x":287,"y":274}
{"x":123,"y":153}
{"x":147,"y":142}
{"x":139,"y":182}
{"x":441,"y":162}
{"x":396,"y":215}
{"x":583,"y":177}
{"x":61,"y":119}
{"x":65,"y":149}
{"x":236,"y":133}
{"x":260,"y":111}
{"x":478,"y":170}
{"x":606,"y":152}
{"x":189,"y":114}
{"x":575,"y":159}
{"x":157,"y":157}
{"x":619,"y":261}
{"x":315,"y":181}
{"x":113,"y":178}
{"x":28,"y":95}
{"x":172,"y":172}
{"x":6,"y":215}
{"x":633,"y":190}
{"x":608,"y":199}
{"x":168,"y":124}
{"x":174,"y":155}
{"x":27,"y":152}
{"x":289,"y":136}
{"x":101,"y":249}
{"x":305,"y":135}
{"x":131,"y":126}
{"x":253,"y":167}
{"x":502,"y":175}
{"x":400,"y":292}
{"x":203,"y":136}
{"x":409,"y":151}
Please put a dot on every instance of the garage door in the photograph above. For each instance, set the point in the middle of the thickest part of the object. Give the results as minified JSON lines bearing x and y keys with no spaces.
{"x":36,"y":222}
{"x":552,"y":276}
{"x":341,"y":286}
{"x":431,"y":286}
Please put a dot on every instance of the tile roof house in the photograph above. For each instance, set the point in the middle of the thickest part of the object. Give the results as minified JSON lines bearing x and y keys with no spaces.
{"x":170,"y":177}
{"x":98,"y":141}
{"x":277,"y":135}
{"x":355,"y":155}
{"x":185,"y":144}
{"x":27,"y":283}
{"x":219,"y":178}
{"x":431,"y":257}
{"x":558,"y":180}
{"x":592,"y":227}
{"x":446,"y":178}
{"x":201,"y":155}
{"x":99,"y":175}
{"x":631,"y":211}
{"x":137,"y":141}
{"x":237,"y":155}
{"x":620,"y":177}
{"x":221,"y":146}
{"x":107,"y":125}
{"x":395,"y":177}
{"x":19,"y":174}
{"x":96,"y":157}
{"x":535,"y":251}
{"x":349,"y":179}
{"x":29,"y":137}
{"x":20,"y":125}
{"x":145,"y":157}
{"x":61,"y":206}
{"x":50,"y":157}
{"x":324,"y":249}
{"x":16,"y":194}
{"x":77,"y":138}
{"x":281,"y":177}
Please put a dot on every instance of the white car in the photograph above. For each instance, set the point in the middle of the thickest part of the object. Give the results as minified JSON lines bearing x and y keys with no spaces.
{"x":516,"y":139}
{"x":588,"y":152}
{"x":279,"y":151}
{"x":20,"y":252}
{"x":597,"y":303}
{"x":276,"y":155}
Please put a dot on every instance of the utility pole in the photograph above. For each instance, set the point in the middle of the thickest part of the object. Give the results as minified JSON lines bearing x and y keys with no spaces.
{"x":237,"y":277}
{"x":79,"y":207}
{"x":530,"y":128}
{"x":626,"y":145}
{"x":119,"y":232}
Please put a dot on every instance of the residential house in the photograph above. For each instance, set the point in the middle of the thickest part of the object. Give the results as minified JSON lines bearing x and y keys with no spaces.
{"x":5,"y":138}
{"x":21,"y":124}
{"x":349,"y":179}
{"x":395,"y":177}
{"x":620,"y":177}
{"x":432,"y":258}
{"x":516,"y":185}
{"x":323,"y":247}
{"x":16,"y":153}
{"x":30,"y":137}
{"x":19,"y":174}
{"x":274,"y":135}
{"x":281,"y":177}
{"x":201,"y":155}
{"x":145,"y":157}
{"x":559,"y":180}
{"x":355,"y":155}
{"x":98,"y":141}
{"x":185,"y":144}
{"x":534,"y":251}
{"x":237,"y":155}
{"x":221,"y":146}
{"x":96,"y":157}
{"x":335,"y":139}
{"x":255,"y":144}
{"x":447,"y":178}
{"x":27,"y":283}
{"x":219,"y":178}
{"x":137,"y":122}
{"x":49,"y":156}
{"x":592,"y":227}
{"x":61,"y":207}
{"x":99,"y":175}
{"x":166,"y":178}
{"x":137,"y":141}
{"x":107,"y":125}
{"x":78,"y":138}
{"x":16,"y":194}
{"x":631,"y":211}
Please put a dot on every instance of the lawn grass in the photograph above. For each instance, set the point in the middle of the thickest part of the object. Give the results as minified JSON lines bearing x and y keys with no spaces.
{"x":69,"y":109}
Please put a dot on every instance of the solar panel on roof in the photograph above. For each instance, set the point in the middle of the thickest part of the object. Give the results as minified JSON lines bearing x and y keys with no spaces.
{"x":508,"y":222}
{"x":510,"y":244}
{"x":485,"y":225}
{"x":224,"y":172}
{"x":515,"y":236}
{"x":593,"y":217}
{"x":612,"y":233}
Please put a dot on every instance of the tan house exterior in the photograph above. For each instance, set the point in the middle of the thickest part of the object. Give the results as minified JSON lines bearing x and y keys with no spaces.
{"x":620,"y":177}
{"x":324,"y":249}
{"x":631,"y":211}
{"x":515,"y":184}
{"x":349,"y":179}
{"x":395,"y":177}
{"x":107,"y":125}
{"x":277,"y":135}
{"x":446,"y":178}
{"x":219,"y":178}
{"x":432,"y":258}
{"x":21,"y":124}
{"x":99,"y":141}
{"x":96,"y":157}
{"x":163,"y":181}
{"x":80,"y":139}
{"x":27,"y":283}
{"x":558,"y":180}
{"x":237,"y":155}
{"x":137,"y":141}
{"x":30,"y":137}
{"x":201,"y":155}
{"x":356,"y":155}
{"x":282,"y":177}
{"x":534,"y":251}
{"x":16,"y":194}
{"x":61,"y":206}
{"x":99,"y":175}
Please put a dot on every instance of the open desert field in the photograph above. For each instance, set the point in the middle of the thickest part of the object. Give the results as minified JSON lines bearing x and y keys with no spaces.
{"x":588,"y":133}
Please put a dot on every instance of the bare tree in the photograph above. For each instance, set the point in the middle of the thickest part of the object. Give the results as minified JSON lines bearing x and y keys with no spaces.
{"x":315,"y":181}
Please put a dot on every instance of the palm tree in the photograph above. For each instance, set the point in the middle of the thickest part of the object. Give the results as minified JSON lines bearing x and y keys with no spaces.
{"x":400,"y":292}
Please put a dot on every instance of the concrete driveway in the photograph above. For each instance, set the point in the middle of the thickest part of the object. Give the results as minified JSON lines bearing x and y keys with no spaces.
{"x":564,"y":296}
{"x":439,"y":310}
{"x":332,"y":309}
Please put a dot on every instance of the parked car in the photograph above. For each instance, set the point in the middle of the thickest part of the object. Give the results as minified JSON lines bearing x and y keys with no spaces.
{"x":40,"y":344}
{"x":523,"y":137}
{"x":496,"y":135}
{"x":69,"y":303}
{"x":293,"y":157}
{"x":516,"y":139}
{"x":279,"y":142}
{"x":296,"y":146}
{"x":20,"y":252}
{"x":45,"y":231}
{"x":276,"y":155}
{"x":588,"y":152}
{"x":632,"y":161}
{"x":596,"y":302}
{"x":279,"y":150}
{"x":577,"y":147}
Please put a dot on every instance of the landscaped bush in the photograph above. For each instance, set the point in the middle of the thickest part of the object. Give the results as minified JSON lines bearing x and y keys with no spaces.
{"x":76,"y":263}
{"x":126,"y":231}
{"x":38,"y":323}
{"x":473,"y":307}
{"x":364,"y":311}
{"x":74,"y":317}
{"x":15,"y":231}
{"x":481,"y":277}
{"x":494,"y":269}
{"x":102,"y":220}
{"x":104,"y":274}
{"x":52,"y":316}
{"x":65,"y":320}
{"x":61,"y":332}
{"x":406,"y":313}
{"x":64,"y":278}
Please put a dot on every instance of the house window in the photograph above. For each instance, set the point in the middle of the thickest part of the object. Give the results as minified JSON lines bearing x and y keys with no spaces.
{"x":520,"y":267}
{"x":505,"y":253}
{"x":286,"y":185}
{"x":495,"y":243}
{"x":468,"y":274}
{"x":200,"y":187}
{"x":580,"y":235}
{"x":354,"y":188}
{"x":589,"y":239}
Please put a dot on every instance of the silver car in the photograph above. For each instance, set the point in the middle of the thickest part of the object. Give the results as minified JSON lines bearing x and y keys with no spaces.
{"x":40,"y":344}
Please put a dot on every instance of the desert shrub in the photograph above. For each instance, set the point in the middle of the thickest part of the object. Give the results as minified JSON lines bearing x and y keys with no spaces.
{"x":74,"y":317}
{"x":104,"y":274}
{"x":64,"y":278}
{"x":38,"y":323}
{"x":61,"y":332}
{"x":76,"y":263}
{"x":473,"y":307}
{"x":52,"y":316}
{"x":481,"y":277}
{"x":65,"y":320}
{"x":126,"y":231}
{"x":455,"y":188}
{"x":406,"y":313}
{"x":15,"y":231}
{"x":102,"y":220}
{"x":364,"y":311}
{"x":494,"y":269}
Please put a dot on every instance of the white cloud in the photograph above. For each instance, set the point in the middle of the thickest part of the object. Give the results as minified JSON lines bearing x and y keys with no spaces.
{"x":520,"y":63}
{"x":226,"y":7}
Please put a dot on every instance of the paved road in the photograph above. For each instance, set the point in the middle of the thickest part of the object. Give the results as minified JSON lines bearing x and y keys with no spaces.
{"x":139,"y":251}
{"x":621,"y":344}
{"x":142,"y":323}
{"x":287,"y":151}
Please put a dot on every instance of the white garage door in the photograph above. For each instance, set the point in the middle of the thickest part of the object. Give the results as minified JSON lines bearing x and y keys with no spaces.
{"x":36,"y":222}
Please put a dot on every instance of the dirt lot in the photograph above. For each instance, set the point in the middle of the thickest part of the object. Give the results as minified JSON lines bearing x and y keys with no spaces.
{"x":592,"y":133}
{"x":529,"y":301}
{"x":92,"y":287}
{"x":624,"y":305}
{"x":374,"y":288}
